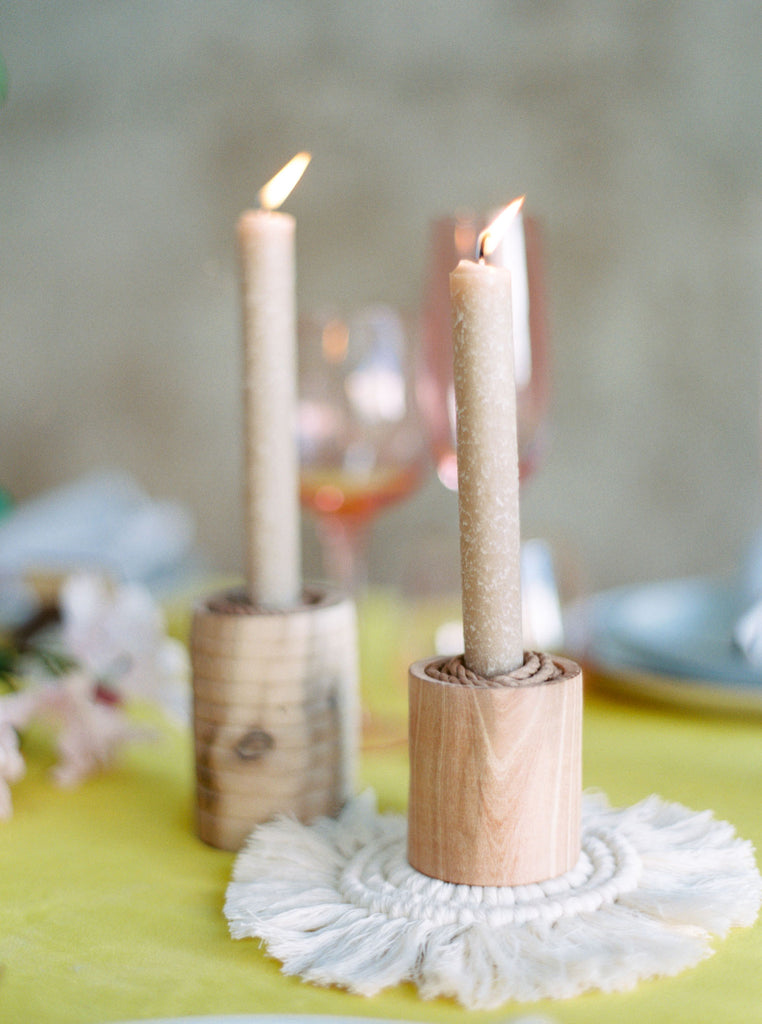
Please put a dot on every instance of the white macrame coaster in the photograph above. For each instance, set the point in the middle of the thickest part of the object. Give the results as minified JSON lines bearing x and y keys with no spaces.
{"x":337,"y":903}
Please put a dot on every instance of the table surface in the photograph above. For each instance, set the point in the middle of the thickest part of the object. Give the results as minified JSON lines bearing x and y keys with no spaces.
{"x":112,"y":908}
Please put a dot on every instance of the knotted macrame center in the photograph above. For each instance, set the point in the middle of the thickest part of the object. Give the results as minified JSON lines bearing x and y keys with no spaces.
{"x":379,"y":879}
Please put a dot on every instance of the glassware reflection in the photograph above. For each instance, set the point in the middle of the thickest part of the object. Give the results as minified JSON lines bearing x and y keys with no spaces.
{"x":361,"y":445}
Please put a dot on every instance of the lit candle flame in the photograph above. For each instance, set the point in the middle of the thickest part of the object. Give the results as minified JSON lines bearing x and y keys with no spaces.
{"x":489,"y":239}
{"x":279,"y":187}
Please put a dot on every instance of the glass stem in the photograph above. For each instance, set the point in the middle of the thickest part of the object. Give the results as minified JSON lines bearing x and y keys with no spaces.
{"x":344,"y":544}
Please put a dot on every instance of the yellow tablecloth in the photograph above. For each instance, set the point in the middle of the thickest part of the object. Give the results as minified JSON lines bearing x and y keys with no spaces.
{"x":112,"y":909}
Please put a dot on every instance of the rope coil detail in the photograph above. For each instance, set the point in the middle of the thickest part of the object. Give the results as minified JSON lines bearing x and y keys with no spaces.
{"x":537,"y":668}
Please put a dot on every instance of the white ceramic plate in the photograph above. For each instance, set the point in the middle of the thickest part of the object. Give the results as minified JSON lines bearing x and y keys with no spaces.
{"x":672,"y":641}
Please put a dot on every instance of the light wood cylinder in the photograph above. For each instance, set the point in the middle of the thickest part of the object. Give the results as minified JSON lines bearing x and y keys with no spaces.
{"x":275,"y":712}
{"x":495,"y":778}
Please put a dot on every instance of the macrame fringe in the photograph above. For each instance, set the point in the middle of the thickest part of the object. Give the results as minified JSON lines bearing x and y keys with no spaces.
{"x":338,"y":904}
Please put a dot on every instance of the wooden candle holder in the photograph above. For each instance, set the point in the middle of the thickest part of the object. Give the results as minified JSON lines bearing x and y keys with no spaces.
{"x":495,"y":776}
{"x":274,"y":710}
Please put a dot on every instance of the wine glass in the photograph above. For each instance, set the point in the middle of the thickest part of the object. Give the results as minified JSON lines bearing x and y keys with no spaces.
{"x":361,"y":444}
{"x":452,"y":239}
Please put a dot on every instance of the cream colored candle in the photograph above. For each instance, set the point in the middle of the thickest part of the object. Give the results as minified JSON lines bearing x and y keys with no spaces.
{"x":271,"y":485}
{"x":488,"y":473}
{"x":511,"y":252}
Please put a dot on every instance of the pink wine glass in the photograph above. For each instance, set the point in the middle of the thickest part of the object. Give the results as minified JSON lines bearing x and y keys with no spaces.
{"x":361,"y":444}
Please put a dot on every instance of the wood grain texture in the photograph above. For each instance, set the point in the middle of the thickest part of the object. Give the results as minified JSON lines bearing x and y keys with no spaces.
{"x":230,"y":774}
{"x":495,"y":778}
{"x":275,"y":713}
{"x":225,"y":745}
{"x":297,"y":713}
{"x":230,"y":831}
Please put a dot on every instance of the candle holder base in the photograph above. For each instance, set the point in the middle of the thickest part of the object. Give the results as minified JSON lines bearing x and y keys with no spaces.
{"x":653,"y":886}
{"x":274,"y":712}
{"x":495,"y":774}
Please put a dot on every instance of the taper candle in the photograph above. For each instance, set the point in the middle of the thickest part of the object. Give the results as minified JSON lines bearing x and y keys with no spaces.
{"x":488,"y":468}
{"x":271,"y":484}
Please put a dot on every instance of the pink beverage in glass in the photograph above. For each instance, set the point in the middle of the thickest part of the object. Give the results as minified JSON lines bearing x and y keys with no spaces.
{"x":360,"y":438}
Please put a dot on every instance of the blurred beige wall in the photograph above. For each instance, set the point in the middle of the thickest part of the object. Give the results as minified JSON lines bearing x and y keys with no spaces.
{"x":134,"y":133}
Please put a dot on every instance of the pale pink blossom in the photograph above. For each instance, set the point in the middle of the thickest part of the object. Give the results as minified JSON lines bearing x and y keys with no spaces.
{"x":118,"y":634}
{"x":16,"y":710}
{"x":12,"y":768}
{"x":117,"y":639}
{"x":91,"y":733}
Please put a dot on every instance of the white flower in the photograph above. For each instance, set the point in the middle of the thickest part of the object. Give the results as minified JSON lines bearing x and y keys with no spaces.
{"x":91,"y":733}
{"x":12,"y":767}
{"x":118,"y":635}
{"x":16,"y":709}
